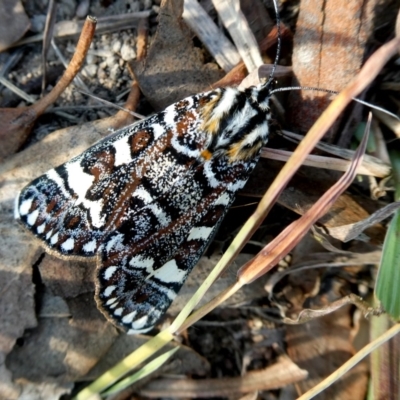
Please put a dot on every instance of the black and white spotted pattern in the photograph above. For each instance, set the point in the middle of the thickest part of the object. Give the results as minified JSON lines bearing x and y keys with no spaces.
{"x":147,"y":200}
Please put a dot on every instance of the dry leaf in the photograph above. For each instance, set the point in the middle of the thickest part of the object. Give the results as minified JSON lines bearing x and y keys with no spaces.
{"x":173,"y":68}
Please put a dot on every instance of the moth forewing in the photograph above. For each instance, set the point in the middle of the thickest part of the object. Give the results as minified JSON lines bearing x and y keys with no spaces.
{"x":146,"y":201}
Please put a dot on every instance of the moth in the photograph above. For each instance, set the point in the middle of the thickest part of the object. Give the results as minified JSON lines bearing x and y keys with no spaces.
{"x":147,"y":200}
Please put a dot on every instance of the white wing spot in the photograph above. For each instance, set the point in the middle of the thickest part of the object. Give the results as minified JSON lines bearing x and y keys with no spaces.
{"x":208,"y":172}
{"x":40,"y":228}
{"x":108,"y":290}
{"x":48,"y":234}
{"x":168,"y":273}
{"x":138,"y":331}
{"x":111,"y":301}
{"x":122,"y":152}
{"x":108,"y":273}
{"x":142,"y":262}
{"x":54,"y":238}
{"x":143,"y":194}
{"x":158,"y":130}
{"x":162,"y":217}
{"x":68,"y":244}
{"x":25,"y":206}
{"x":235,"y":186}
{"x":115,"y":243}
{"x":129,"y":317}
{"x":140,"y":323}
{"x":53,"y":175}
{"x":118,"y":311}
{"x":90,"y":247}
{"x":202,"y":232}
{"x":32,"y":217}
{"x":80,"y":183}
{"x":168,"y":292}
{"x":223,"y":200}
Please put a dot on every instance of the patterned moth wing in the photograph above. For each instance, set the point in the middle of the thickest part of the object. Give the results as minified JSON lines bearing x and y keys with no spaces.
{"x":146,"y":201}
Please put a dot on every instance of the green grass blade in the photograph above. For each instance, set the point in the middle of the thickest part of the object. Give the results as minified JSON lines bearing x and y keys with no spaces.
{"x":146,"y":370}
{"x":387,"y":288}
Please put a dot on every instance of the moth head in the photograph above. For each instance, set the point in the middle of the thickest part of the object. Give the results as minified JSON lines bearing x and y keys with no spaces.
{"x":236,"y":125}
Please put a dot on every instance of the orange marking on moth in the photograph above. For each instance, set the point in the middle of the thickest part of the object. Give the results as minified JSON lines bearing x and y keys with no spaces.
{"x":206,"y":154}
{"x":211,"y":123}
{"x":236,"y":152}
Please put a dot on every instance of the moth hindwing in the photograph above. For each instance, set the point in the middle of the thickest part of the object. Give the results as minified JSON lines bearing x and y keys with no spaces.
{"x":147,"y":200}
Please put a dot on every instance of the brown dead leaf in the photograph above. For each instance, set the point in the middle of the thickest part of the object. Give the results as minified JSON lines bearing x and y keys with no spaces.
{"x":14,"y":22}
{"x":173,"y":68}
{"x":61,"y":347}
{"x":15,"y":126}
{"x":67,"y":278}
{"x":320,"y":347}
{"x":328,"y":52}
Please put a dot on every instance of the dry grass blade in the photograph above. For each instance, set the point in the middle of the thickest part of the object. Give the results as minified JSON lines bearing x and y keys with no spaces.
{"x":324,"y":260}
{"x":126,"y":365}
{"x":331,"y":163}
{"x":47,"y":36}
{"x":345,"y":233}
{"x":213,"y":39}
{"x":145,"y":371}
{"x":236,"y":24}
{"x":309,"y":314}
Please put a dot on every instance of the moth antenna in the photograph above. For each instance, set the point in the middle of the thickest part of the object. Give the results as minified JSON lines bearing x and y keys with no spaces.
{"x":365,"y":103}
{"x":278,"y":49}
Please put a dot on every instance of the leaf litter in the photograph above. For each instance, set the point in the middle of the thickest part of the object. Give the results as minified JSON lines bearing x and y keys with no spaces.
{"x":51,"y":301}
